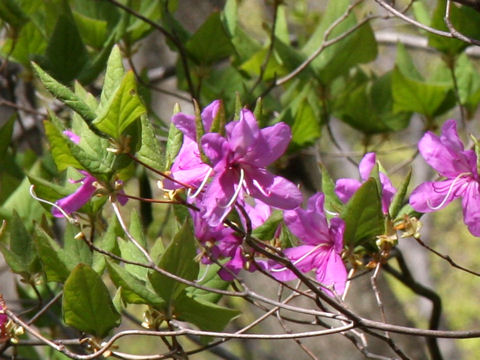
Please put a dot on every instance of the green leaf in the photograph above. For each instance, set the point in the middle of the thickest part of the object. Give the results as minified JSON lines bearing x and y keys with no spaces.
{"x":415,"y":96}
{"x":59,"y":147}
{"x":123,"y":108}
{"x":267,"y":230}
{"x":332,"y":202}
{"x":76,"y":250}
{"x":64,"y":94}
{"x":468,"y":80}
{"x":376,"y":101}
{"x":87,"y":305}
{"x":363,"y":215}
{"x":150,"y":151}
{"x":66,"y":54}
{"x":93,"y":31}
{"x":113,"y":76}
{"x":303,"y":114}
{"x":230,"y":17}
{"x":337,"y":59}
{"x":177,"y":259}
{"x":399,"y":198}
{"x":463,"y":19}
{"x":130,"y":252}
{"x":205,"y":315}
{"x":51,"y":256}
{"x":210,"y":279}
{"x":107,"y":243}
{"x":134,"y":291}
{"x":210,"y":43}
{"x":27,"y":44}
{"x":174,"y":143}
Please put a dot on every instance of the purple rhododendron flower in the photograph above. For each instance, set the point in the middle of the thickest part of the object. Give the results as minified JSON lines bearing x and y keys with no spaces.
{"x":345,"y":188}
{"x":80,"y":197}
{"x":221,"y":243}
{"x":188,"y":167}
{"x":446,"y":154}
{"x":239,"y":162}
{"x":321,"y":249}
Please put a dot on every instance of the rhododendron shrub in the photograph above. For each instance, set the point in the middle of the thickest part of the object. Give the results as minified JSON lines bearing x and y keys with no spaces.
{"x":259,"y":183}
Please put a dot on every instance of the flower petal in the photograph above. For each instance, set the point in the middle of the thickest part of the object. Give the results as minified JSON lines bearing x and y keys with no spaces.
{"x":76,"y":200}
{"x":366,"y":165}
{"x":304,"y":252}
{"x":272,"y":190}
{"x":432,"y":196}
{"x":332,"y":272}
{"x":345,"y":188}
{"x":309,"y":225}
{"x":216,"y":148}
{"x":243,"y":134}
{"x":270,"y":145}
{"x":188,"y":167}
{"x":444,"y":154}
{"x":217,"y":196}
{"x":471,"y":208}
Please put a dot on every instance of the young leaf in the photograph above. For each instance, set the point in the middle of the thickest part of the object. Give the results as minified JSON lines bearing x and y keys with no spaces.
{"x":399,"y":197}
{"x":267,"y":230}
{"x":174,"y":143}
{"x":51,"y":256}
{"x":211,"y":279}
{"x":66,"y":54}
{"x":59,"y":147}
{"x":210,"y":43}
{"x":64,"y":94}
{"x":150,"y":151}
{"x":177,"y":259}
{"x":113,"y":76}
{"x":363,"y":215}
{"x":207,"y":316}
{"x":332,"y":202}
{"x":76,"y":250}
{"x":134,"y":291}
{"x":123,"y":108}
{"x":129,"y":251}
{"x":86,"y":304}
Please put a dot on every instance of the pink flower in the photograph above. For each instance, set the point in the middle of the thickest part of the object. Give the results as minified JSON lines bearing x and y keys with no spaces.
{"x":345,"y":188}
{"x":188,"y":167}
{"x":239,"y":162}
{"x":321,"y":249}
{"x":447,"y":155}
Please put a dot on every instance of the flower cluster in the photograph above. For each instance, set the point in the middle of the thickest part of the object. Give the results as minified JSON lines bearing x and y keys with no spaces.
{"x":446,"y":154}
{"x":236,"y":176}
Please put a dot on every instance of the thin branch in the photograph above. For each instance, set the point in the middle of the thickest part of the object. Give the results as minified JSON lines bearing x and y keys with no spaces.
{"x":455,"y":34}
{"x":447,"y":258}
{"x":326,"y":43}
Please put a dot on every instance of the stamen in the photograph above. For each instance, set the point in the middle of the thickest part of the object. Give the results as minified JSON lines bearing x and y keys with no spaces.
{"x":237,"y":190}
{"x":332,"y":213}
{"x":302,"y":257}
{"x":449,"y":192}
{"x":70,"y":219}
{"x":202,"y":185}
{"x":259,"y":187}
